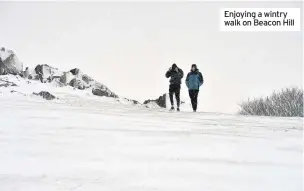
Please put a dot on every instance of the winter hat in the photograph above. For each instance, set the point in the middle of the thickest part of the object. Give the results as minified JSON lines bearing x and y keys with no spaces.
{"x":194,"y":65}
{"x":174,"y":66}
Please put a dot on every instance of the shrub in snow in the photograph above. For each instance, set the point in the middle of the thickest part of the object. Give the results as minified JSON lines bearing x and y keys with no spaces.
{"x":287,"y":103}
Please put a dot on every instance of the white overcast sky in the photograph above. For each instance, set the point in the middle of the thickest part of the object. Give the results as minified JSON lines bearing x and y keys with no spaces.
{"x":129,"y":46}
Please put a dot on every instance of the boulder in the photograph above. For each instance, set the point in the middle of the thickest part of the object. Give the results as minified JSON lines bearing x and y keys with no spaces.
{"x":103,"y":92}
{"x":9,"y":62}
{"x":2,"y":71}
{"x":75,"y":71}
{"x":66,"y":78}
{"x":45,"y":95}
{"x":57,"y":83}
{"x":87,"y":79}
{"x":46,"y":73}
{"x":78,"y":83}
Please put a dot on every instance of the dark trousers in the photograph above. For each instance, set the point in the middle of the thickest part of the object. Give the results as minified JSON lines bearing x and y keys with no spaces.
{"x":193,"y":96}
{"x":174,"y":89}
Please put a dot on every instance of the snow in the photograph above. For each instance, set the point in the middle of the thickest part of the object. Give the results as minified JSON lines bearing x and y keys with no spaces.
{"x":83,"y":142}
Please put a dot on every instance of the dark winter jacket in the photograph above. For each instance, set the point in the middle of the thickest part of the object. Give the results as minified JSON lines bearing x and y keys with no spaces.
{"x":176,"y":77}
{"x":194,"y":80}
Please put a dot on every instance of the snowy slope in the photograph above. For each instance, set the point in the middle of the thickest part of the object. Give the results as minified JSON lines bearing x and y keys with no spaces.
{"x":24,"y":87}
{"x":82,"y":143}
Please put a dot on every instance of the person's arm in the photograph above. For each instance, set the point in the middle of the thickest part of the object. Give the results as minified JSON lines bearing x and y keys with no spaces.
{"x":201,"y":79}
{"x":168,"y":73}
{"x":181,"y":73}
{"x":187,"y":80}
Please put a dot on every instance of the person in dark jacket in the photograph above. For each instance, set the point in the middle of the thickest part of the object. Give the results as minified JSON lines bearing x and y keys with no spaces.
{"x":175,"y":74}
{"x":193,"y":81}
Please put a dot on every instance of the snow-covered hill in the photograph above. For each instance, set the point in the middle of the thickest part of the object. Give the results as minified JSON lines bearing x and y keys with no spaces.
{"x":14,"y":85}
{"x":47,"y":79}
{"x":83,"y":142}
{"x":88,"y":138}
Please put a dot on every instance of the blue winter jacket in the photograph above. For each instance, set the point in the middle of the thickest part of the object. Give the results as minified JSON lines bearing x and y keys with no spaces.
{"x":194,"y":80}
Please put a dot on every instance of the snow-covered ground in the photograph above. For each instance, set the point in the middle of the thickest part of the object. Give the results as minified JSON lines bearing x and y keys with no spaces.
{"x":88,"y":143}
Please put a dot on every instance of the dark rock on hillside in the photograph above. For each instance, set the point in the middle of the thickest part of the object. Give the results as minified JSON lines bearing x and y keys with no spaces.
{"x":46,"y":73}
{"x":134,"y":101}
{"x":87,"y":79}
{"x":45,"y":95}
{"x":161,"y":101}
{"x":77,"y":83}
{"x":103,"y":92}
{"x":5,"y":83}
{"x":75,"y":71}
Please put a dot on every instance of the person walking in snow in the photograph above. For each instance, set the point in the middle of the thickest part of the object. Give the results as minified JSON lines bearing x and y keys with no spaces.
{"x":175,"y":74}
{"x":193,"y":81}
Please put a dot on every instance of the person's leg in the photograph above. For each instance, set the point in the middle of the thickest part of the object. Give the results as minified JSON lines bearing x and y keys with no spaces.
{"x":195,"y":99}
{"x":171,"y":96}
{"x":191,"y":93}
{"x":177,"y":95}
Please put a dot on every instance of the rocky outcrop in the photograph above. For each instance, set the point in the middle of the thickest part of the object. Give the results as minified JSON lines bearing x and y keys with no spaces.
{"x":9,"y":63}
{"x":78,"y":84}
{"x":87,"y":79}
{"x":161,"y":101}
{"x":47,"y":73}
{"x":45,"y":95}
{"x":103,"y":92}
{"x":66,"y":78}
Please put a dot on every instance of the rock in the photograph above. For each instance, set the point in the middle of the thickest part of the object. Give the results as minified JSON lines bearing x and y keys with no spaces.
{"x":2,"y":71}
{"x":66,"y":78}
{"x":87,"y":79}
{"x":75,"y":71}
{"x":9,"y":63}
{"x":57,"y":83}
{"x":46,"y":73}
{"x":134,"y":101}
{"x":45,"y":95}
{"x":77,"y":83}
{"x":6,"y":83}
{"x":161,"y":101}
{"x":13,"y":91}
{"x":103,"y":92}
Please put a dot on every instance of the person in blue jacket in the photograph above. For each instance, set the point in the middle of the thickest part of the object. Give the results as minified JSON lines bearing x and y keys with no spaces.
{"x":193,"y":81}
